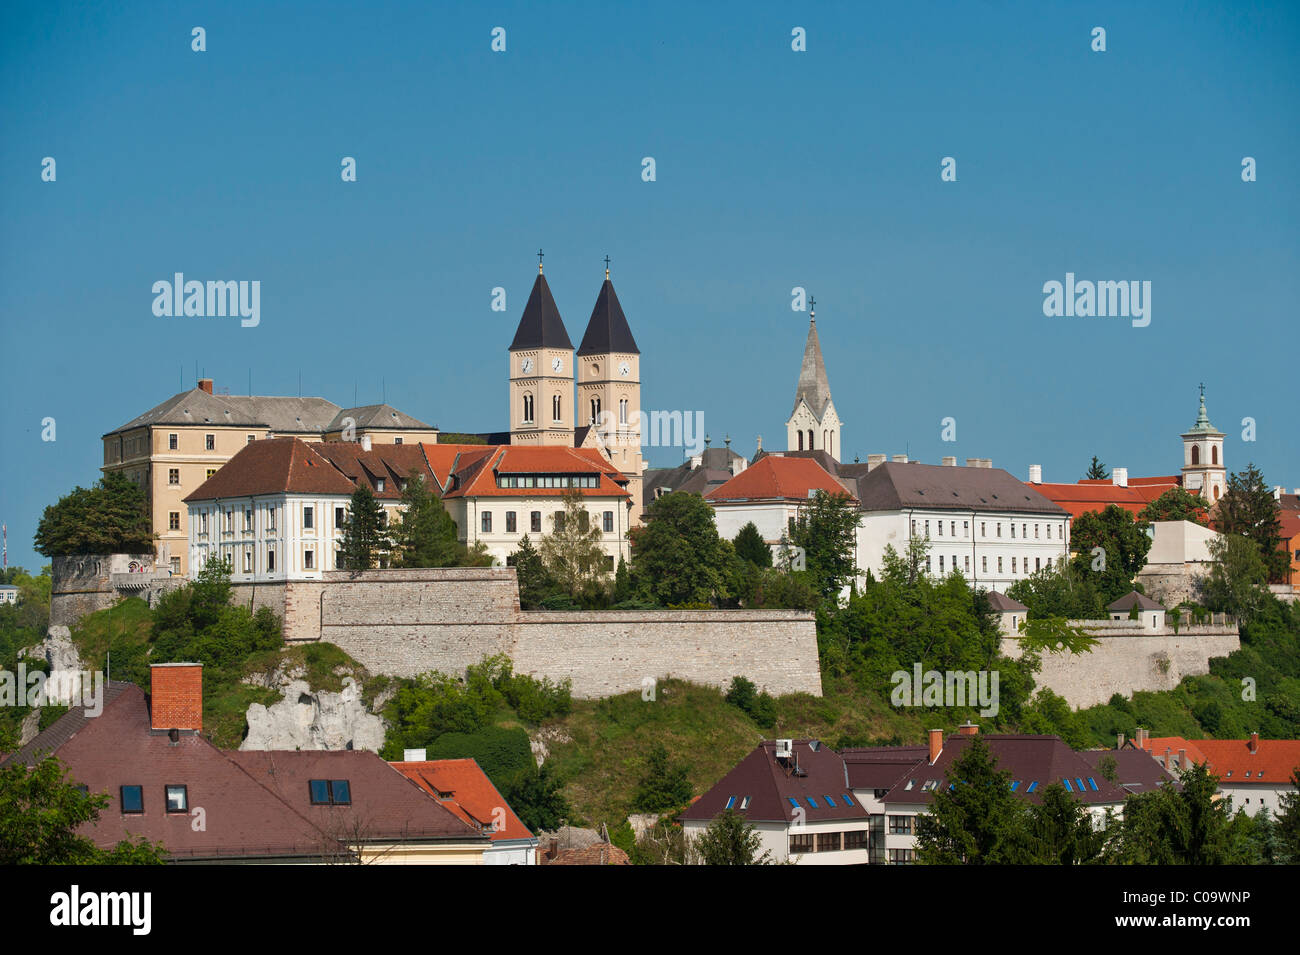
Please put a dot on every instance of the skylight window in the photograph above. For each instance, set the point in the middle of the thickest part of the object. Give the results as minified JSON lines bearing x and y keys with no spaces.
{"x":1080,"y":782}
{"x":731,"y":801}
{"x":1032,"y":786}
{"x":848,"y":800}
{"x":744,"y":803}
{"x":830,"y":802}
{"x":812,"y":802}
{"x":330,"y":792}
{"x":910,"y":784}
{"x":794,"y":802}
{"x":1014,"y":783}
{"x":1093,"y":783}
{"x":1068,"y":787}
{"x":132,"y":799}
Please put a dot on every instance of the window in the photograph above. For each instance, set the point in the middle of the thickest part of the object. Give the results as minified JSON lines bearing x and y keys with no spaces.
{"x":203,"y":522}
{"x":270,"y":518}
{"x":965,"y":528}
{"x":174,"y":475}
{"x":379,"y":485}
{"x":1013,"y":531}
{"x":338,"y":517}
{"x":1013,"y":563}
{"x":397,"y":441}
{"x":731,"y":801}
{"x":176,"y":565}
{"x":270,"y":558}
{"x":132,"y":799}
{"x":248,"y":561}
{"x":848,"y":800}
{"x":855,"y":839}
{"x":828,"y":842}
{"x":528,"y":408}
{"x":1024,"y":531}
{"x":510,"y":522}
{"x":251,"y":439}
{"x":622,"y":411}
{"x":744,"y":804}
{"x":1032,"y":786}
{"x":173,"y":520}
{"x":172,"y":442}
{"x":595,"y":410}
{"x":308,"y":559}
{"x":999,"y":565}
{"x":556,"y":408}
{"x":557,"y":520}
{"x":307,"y":517}
{"x":1049,"y":531}
{"x":178,"y":799}
{"x":999,"y":528}
{"x":1214,"y":454}
{"x":802,"y":842}
{"x":927,"y":563}
{"x":913,"y":524}
{"x":900,"y":825}
{"x":941,"y":557}
{"x":535,"y":521}
{"x":812,"y":802}
{"x":794,"y":802}
{"x":228,"y":524}
{"x":1035,"y":532}
{"x":952,"y":528}
{"x":330,"y":792}
{"x":1038,"y":563}
{"x":210,"y":442}
{"x":967,"y":563}
{"x":941,"y":528}
{"x":609,"y":522}
{"x":984,"y":530}
{"x":984,"y":564}
{"x":248,"y":518}
{"x":927,"y":529}
{"x":902,"y":856}
{"x":1196,"y":455}
{"x":485,"y":520}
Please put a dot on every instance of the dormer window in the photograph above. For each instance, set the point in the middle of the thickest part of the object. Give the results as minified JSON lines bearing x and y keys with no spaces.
{"x":379,"y":485}
{"x":330,"y":792}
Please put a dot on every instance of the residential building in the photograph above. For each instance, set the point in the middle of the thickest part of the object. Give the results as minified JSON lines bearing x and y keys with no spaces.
{"x":461,"y":786}
{"x":1149,"y":613}
{"x":698,"y":474}
{"x":1011,"y":613}
{"x":770,"y":493}
{"x":169,"y":784}
{"x":1254,"y":773}
{"x":813,"y":424}
{"x":8,"y":594}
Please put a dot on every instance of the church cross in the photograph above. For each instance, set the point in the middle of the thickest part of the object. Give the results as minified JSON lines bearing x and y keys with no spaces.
{"x":539,"y":261}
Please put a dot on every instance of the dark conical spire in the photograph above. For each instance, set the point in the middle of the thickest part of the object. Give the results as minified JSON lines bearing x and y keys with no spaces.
{"x":813,"y":387}
{"x":608,"y":331}
{"x":541,"y":325}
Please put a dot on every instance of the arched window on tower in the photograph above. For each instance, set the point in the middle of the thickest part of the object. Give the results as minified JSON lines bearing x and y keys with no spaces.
{"x":528,"y":408}
{"x":801,"y":439}
{"x":1216,"y":492}
{"x":1196,"y":454}
{"x":1214,"y":454}
{"x":595,"y":410}
{"x":555,"y":408}
{"x":810,"y":439}
{"x":622,"y":411}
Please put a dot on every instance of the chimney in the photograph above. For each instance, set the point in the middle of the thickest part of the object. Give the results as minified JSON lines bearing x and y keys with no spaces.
{"x":205,"y":384}
{"x":365,"y":442}
{"x":900,"y":458}
{"x":968,"y":728}
{"x":1277,"y":492}
{"x":415,"y":755}
{"x":986,"y":463}
{"x":936,"y":745}
{"x":176,"y":696}
{"x":1119,"y":477}
{"x":950,"y":462}
{"x":1182,"y":759}
{"x":760,"y":442}
{"x":1253,"y":746}
{"x":874,"y":461}
{"x":1119,"y":740}
{"x":1168,"y":757}
{"x":972,"y":462}
{"x":1035,"y":474}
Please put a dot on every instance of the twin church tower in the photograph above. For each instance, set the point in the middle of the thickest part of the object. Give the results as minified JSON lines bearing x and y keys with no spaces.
{"x":607,"y":366}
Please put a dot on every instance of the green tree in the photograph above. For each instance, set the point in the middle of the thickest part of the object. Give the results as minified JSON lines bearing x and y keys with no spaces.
{"x":572,"y":552}
{"x":365,"y":539}
{"x":110,"y":518}
{"x":425,"y":535}
{"x":1096,"y":471}
{"x":1238,"y":579}
{"x":1181,"y":826}
{"x":750,"y":546}
{"x":1288,"y":821}
{"x":663,"y":786}
{"x":977,"y":822}
{"x":535,"y":583}
{"x":40,"y":813}
{"x":1062,"y":830}
{"x":1247,"y":507}
{"x":744,"y":695}
{"x":1176,"y":504}
{"x":729,"y":840}
{"x":827,"y":530}
{"x":1125,"y":545}
{"x":677,"y":556}
{"x":537,"y":798}
{"x":1059,"y":590}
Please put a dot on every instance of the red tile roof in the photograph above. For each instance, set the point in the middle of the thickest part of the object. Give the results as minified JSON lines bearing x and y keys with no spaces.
{"x":461,"y":786}
{"x":273,"y":466}
{"x":1089,"y":496}
{"x":443,"y":459}
{"x":1231,"y":759}
{"x":392,"y":462}
{"x":774,"y":477}
{"x":477,"y":478}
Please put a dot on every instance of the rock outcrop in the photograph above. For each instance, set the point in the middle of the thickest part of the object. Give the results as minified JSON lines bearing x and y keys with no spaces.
{"x":314,"y":719}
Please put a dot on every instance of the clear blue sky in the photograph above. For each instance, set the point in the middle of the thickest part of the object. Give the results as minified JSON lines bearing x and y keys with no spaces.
{"x":774,"y":169}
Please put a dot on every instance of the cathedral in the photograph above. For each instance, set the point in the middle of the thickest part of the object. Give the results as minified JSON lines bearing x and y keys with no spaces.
{"x":605,"y":413}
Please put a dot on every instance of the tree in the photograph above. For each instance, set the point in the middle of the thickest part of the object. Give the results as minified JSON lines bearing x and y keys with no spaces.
{"x":40,"y":813}
{"x":572,"y":552}
{"x":110,"y":518}
{"x":979,"y":821}
{"x":1238,"y":579}
{"x":537,"y":798}
{"x":425,"y":535}
{"x":1062,"y":830}
{"x":1176,"y":504}
{"x":1247,"y":507}
{"x":1288,"y":820}
{"x":1187,"y":826}
{"x":664,"y":785}
{"x":729,"y":840}
{"x":1096,"y":471}
{"x":1059,"y":590}
{"x":365,"y":538}
{"x":1125,"y":545}
{"x":750,"y":546}
{"x":677,"y":556}
{"x":535,"y":584}
{"x":827,"y":530}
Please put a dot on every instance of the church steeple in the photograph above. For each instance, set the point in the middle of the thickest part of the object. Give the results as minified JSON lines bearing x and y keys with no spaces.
{"x":541,"y":372}
{"x":1203,"y":466}
{"x":813,"y":423}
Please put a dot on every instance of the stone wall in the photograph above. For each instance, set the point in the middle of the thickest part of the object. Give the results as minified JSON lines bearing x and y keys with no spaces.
{"x":1127,"y":663}
{"x":1172,"y":584}
{"x":85,"y":583}
{"x":403,"y":622}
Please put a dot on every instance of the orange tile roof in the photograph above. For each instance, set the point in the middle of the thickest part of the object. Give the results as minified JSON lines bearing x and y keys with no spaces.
{"x":1097,"y":495}
{"x":774,"y":477}
{"x":477,"y":478}
{"x":273,"y":466}
{"x":443,"y":459}
{"x":461,"y":786}
{"x":1231,"y":759}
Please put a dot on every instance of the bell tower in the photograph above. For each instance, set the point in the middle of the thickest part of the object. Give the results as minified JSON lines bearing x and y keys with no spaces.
{"x":541,"y":372}
{"x":813,"y":425}
{"x":1203,"y":467}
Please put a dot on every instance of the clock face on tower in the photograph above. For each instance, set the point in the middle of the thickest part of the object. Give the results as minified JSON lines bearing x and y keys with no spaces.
{"x":527,"y":365}
{"x":556,"y":364}
{"x":624,"y":370}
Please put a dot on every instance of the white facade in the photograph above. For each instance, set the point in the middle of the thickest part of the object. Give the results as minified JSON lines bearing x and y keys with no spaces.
{"x":772,"y":518}
{"x":1253,"y":797}
{"x":511,"y":852}
{"x":500,"y":523}
{"x":269,"y":537}
{"x":1180,"y":542}
{"x":783,"y":840}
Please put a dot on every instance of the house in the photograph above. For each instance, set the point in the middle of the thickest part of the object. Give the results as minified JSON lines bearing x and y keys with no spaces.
{"x":1011,"y":613}
{"x":169,"y":784}
{"x":796,"y":795}
{"x":8,"y":594}
{"x":698,"y":474}
{"x":1254,"y":773}
{"x":770,"y":493}
{"x":175,"y":446}
{"x":1150,"y":613}
{"x":461,"y":786}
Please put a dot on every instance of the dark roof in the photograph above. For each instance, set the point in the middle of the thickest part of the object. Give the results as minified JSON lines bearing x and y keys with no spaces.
{"x":820,"y":787}
{"x":273,"y":466}
{"x":377,"y":417}
{"x":393,"y":462}
{"x":607,"y":330}
{"x":198,"y":407}
{"x":880,"y":767}
{"x":896,"y":486}
{"x":541,"y":325}
{"x":1029,"y":759}
{"x":813,"y":386}
{"x":1136,"y":771}
{"x":1134,"y":599}
{"x":1004,"y":604}
{"x":63,"y":729}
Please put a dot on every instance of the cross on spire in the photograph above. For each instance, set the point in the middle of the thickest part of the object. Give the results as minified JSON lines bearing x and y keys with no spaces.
{"x":539,"y":261}
{"x":1202,"y":391}
{"x":607,"y":266}
{"x":812,"y":307}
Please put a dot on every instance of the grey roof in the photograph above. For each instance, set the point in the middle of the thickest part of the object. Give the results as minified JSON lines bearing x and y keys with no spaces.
{"x":715,"y":470}
{"x":541,"y":325}
{"x":1137,"y":771}
{"x":1133,"y":598}
{"x":893,"y":486}
{"x":376,"y":417}
{"x":607,"y":331}
{"x":813,"y":386}
{"x":1004,"y":604}
{"x":196,"y":406}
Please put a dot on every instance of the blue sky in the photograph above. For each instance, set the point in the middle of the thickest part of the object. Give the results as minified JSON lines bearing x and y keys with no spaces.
{"x":774,"y":169}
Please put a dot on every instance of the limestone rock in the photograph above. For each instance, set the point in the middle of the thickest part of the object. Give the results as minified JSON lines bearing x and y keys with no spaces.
{"x":314,"y":720}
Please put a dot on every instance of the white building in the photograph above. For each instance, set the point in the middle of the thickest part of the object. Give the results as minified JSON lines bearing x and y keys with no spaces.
{"x":813,"y":424}
{"x":769,"y":493}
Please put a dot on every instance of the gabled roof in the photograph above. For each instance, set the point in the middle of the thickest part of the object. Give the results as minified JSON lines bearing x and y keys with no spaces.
{"x":541,"y":325}
{"x":273,"y":466}
{"x":1089,"y":495}
{"x":461,"y":786}
{"x":375,"y":418}
{"x":1136,"y":771}
{"x":813,"y":386}
{"x":894,"y":486}
{"x":607,"y":329}
{"x":1004,"y":604}
{"x":1134,"y":599}
{"x":392,"y":462}
{"x":819,"y":787}
{"x":777,"y":478}
{"x":444,"y":459}
{"x":198,"y":407}
{"x":475,"y":476}
{"x":1231,"y":759}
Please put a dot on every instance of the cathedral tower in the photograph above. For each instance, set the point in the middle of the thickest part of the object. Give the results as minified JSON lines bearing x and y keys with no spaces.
{"x":813,"y":424}
{"x":541,"y":372}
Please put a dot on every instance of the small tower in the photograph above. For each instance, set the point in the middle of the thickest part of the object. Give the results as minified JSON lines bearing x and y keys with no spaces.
{"x":609,"y":388}
{"x":541,"y":372}
{"x":1203,"y":467}
{"x":813,"y":424}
